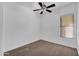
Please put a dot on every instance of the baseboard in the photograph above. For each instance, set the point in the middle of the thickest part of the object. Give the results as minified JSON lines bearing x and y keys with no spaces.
{"x":20,"y":45}
{"x":37,"y":40}
{"x":59,"y":43}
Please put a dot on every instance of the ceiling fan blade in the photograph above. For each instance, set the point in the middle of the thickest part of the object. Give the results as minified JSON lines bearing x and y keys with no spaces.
{"x":41,"y":12}
{"x":51,"y":6}
{"x":40,"y":3}
{"x":36,"y":9}
{"x":49,"y":11}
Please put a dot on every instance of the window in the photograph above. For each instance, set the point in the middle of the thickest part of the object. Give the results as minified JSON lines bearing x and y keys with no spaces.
{"x":66,"y":26}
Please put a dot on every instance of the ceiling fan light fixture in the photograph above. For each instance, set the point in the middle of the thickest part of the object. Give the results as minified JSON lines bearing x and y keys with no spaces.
{"x":44,"y":7}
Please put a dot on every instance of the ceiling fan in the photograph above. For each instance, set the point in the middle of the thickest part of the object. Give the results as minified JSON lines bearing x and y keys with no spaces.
{"x":44,"y":7}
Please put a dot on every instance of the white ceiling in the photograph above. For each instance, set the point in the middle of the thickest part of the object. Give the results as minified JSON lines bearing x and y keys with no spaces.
{"x":58,"y":4}
{"x":35,"y":4}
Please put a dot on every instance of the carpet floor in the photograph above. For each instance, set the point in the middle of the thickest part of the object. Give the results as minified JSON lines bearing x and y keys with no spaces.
{"x":42,"y":48}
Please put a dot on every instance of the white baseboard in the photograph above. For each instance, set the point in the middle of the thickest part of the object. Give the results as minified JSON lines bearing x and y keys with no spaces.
{"x":60,"y":43}
{"x":19,"y":45}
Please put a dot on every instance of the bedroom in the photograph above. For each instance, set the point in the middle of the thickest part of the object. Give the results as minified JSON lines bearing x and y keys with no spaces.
{"x":21,"y":26}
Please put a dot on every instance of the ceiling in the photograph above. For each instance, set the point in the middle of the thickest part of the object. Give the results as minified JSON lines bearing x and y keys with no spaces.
{"x":35,"y":4}
{"x":59,"y":4}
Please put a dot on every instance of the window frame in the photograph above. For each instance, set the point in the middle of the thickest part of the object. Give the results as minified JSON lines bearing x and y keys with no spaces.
{"x":62,"y":35}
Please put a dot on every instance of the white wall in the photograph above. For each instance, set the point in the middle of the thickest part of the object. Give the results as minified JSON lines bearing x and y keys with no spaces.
{"x":50,"y":29}
{"x":1,"y":24}
{"x":78,"y":28}
{"x":22,"y":25}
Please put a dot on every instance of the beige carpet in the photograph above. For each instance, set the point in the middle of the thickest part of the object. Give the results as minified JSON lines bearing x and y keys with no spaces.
{"x":43,"y":48}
